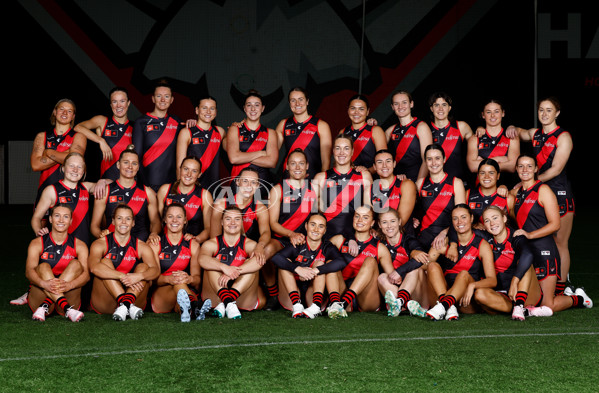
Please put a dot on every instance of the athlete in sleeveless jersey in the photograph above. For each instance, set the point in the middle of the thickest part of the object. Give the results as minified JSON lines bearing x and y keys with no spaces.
{"x":56,"y":267}
{"x":305,"y":136}
{"x":137,"y":198}
{"x":78,"y":200}
{"x":403,"y":141}
{"x":478,"y":202}
{"x":295,"y":207}
{"x":252,"y":141}
{"x":512,"y":258}
{"x":437,"y":200}
{"x":206,"y":145}
{"x":193,"y":202}
{"x":112,"y":133}
{"x":364,"y":148}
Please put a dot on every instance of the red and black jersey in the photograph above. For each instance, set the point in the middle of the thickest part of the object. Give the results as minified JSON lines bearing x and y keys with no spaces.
{"x":251,"y":228}
{"x":478,"y":202}
{"x":251,"y":141}
{"x":468,"y":259}
{"x":437,"y":201}
{"x":342,"y":193}
{"x":493,"y":146}
{"x":118,"y":136}
{"x":155,"y":140}
{"x":384,"y":199}
{"x":174,"y":257}
{"x":364,"y":149}
{"x":450,"y":138}
{"x":58,"y":256}
{"x":78,"y":200}
{"x":193,"y":207}
{"x":206,"y":146}
{"x":124,"y":257}
{"x":512,"y":258}
{"x":60,"y":143}
{"x":290,"y":257}
{"x":544,"y":146}
{"x":405,"y":144}
{"x":530,"y":215}
{"x":232,"y":255}
{"x":137,"y":198}
{"x":296,"y":206}
{"x":303,"y":136}
{"x":399,"y":253}
{"x":368,"y":248}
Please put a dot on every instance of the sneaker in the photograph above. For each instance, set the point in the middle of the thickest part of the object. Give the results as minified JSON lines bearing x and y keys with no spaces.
{"x":588,"y":303}
{"x":120,"y":314}
{"x":416,"y":309}
{"x":184,"y":305}
{"x":569,"y":291}
{"x":232,"y":311}
{"x":518,"y":313}
{"x":436,"y":313}
{"x":272,"y":303}
{"x":219,"y":310}
{"x":393,"y":305}
{"x":336,"y":310}
{"x":21,"y":300}
{"x":452,"y":314}
{"x":135,"y":312}
{"x":542,"y":311}
{"x":297,"y":310}
{"x":312,"y":312}
{"x":201,"y":312}
{"x":40,"y":314}
{"x":74,"y":315}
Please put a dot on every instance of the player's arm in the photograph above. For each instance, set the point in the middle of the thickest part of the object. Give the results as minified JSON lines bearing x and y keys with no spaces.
{"x":236,"y":156}
{"x":560,"y":159}
{"x":92,"y":130}
{"x":82,"y":257}
{"x":407,"y":201}
{"x":280,"y":130}
{"x":465,"y":130}
{"x":183,"y":141}
{"x":385,"y":258}
{"x":512,"y":156}
{"x":47,"y":199}
{"x":98,"y":265}
{"x":472,"y":157}
{"x":33,"y":254}
{"x":98,"y":215}
{"x":39,"y":161}
{"x":326,"y":144}
{"x":155,"y":227}
{"x":216,"y":220}
{"x":207,"y":210}
{"x":270,"y":159}
{"x":78,"y":146}
{"x":425,"y":137}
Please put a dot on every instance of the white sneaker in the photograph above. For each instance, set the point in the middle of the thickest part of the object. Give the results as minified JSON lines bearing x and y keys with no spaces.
{"x":120,"y":314}
{"x":588,"y":303}
{"x":452,"y":314}
{"x":21,"y":300}
{"x":518,"y":313}
{"x":219,"y":310}
{"x":74,"y":315}
{"x":312,"y":312}
{"x":542,"y":311}
{"x":40,"y":314}
{"x":416,"y":309}
{"x":232,"y":311}
{"x":184,"y":305}
{"x":201,"y":311}
{"x":393,"y":304}
{"x":135,"y":312}
{"x":568,"y":291}
{"x":297,"y":311}
{"x":437,"y":313}
{"x":336,"y":310}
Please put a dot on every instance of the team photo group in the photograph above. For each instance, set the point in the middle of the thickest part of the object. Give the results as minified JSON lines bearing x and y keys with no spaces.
{"x":428,"y":217}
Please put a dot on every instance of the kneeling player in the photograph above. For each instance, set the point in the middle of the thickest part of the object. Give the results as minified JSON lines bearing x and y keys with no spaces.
{"x":358,"y":280}
{"x":302,"y":269}
{"x":230,"y":276}
{"x":124,"y":268}
{"x":57,"y":269}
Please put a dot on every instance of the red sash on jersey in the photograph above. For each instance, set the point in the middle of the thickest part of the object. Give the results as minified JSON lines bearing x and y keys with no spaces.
{"x":502,"y":147}
{"x":165,"y":140}
{"x":211,"y":151}
{"x":449,"y":144}
{"x":117,"y":149}
{"x":401,"y":257}
{"x":361,"y":141}
{"x":441,"y":201}
{"x":61,"y":147}
{"x":526,"y":205}
{"x":404,"y":144}
{"x":344,"y":196}
{"x":81,"y":209}
{"x":305,"y":209}
{"x":352,"y":268}
{"x":258,"y":144}
{"x":546,"y":150}
{"x":183,"y":259}
{"x":301,"y":142}
{"x":466,"y":261}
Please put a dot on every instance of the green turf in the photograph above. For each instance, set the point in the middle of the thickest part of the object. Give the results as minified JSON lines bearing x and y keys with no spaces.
{"x":270,"y":352}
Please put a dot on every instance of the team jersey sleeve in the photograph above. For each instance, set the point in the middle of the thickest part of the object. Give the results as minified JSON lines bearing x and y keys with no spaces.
{"x":283,"y":258}
{"x":335,"y":260}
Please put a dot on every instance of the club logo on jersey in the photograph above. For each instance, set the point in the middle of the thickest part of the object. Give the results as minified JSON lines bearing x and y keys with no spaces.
{"x":152,"y":127}
{"x":197,"y":141}
{"x":474,"y":205}
{"x":116,"y":198}
{"x":163,"y":256}
{"x":47,"y":256}
{"x":63,"y":199}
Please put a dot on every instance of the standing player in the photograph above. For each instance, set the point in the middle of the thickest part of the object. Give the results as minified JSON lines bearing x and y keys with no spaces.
{"x":51,"y":147}
{"x":367,"y":139}
{"x":179,"y":279}
{"x":155,"y":140}
{"x":126,"y":190}
{"x":552,"y":146}
{"x":113,"y":134}
{"x":57,"y":269}
{"x":449,"y":133}
{"x":187,"y":191}
{"x":358,"y":280}
{"x":408,"y":138}
{"x":341,"y":189}
{"x":306,"y":132}
{"x":123,"y":269}
{"x":303,"y":268}
{"x":203,"y":141}
{"x":230,"y":274}
{"x":252,"y":144}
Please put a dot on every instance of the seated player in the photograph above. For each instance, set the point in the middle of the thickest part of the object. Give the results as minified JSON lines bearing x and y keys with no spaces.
{"x":123,"y":269}
{"x":358,"y":280}
{"x":408,"y":281}
{"x":180,"y":277}
{"x":517,"y":284}
{"x":57,"y":269}
{"x":302,"y":269}
{"x":230,"y":274}
{"x":455,"y":283}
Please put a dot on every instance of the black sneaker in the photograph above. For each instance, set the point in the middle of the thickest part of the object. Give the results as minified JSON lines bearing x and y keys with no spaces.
{"x":272,"y":304}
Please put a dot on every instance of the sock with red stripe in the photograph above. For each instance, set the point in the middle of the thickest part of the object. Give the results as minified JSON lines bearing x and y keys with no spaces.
{"x":272,"y":290}
{"x":317,"y":298}
{"x":47,"y":303}
{"x":63,"y":303}
{"x":334,"y":297}
{"x":559,"y":288}
{"x":225,"y":296}
{"x":234,"y":294}
{"x":348,"y":298}
{"x":404,"y":295}
{"x":126,"y":299}
{"x":295,"y":297}
{"x":577,"y":301}
{"x":448,"y":301}
{"x":521,"y":297}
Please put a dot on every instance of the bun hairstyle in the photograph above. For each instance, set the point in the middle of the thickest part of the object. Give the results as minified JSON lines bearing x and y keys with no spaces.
{"x":129,"y":149}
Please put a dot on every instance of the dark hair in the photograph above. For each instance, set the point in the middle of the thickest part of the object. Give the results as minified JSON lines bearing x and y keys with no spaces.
{"x":554,"y":101}
{"x":343,"y":136}
{"x":434,"y":146}
{"x":299,"y":151}
{"x":493,"y":101}
{"x":118,"y":88}
{"x":206,"y":97}
{"x":299,"y":89}
{"x":253,"y":93}
{"x":435,"y":96}
{"x":396,"y":92}
{"x":177,"y":205}
{"x":163,"y":83}
{"x":489,"y":161}
{"x":60,"y":205}
{"x":383,"y":151}
{"x":130,"y":149}
{"x":360,"y":97}
{"x":462,"y":206}
{"x":123,"y":206}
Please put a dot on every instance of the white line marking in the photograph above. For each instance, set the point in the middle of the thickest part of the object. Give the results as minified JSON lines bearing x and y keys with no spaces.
{"x":269,"y":344}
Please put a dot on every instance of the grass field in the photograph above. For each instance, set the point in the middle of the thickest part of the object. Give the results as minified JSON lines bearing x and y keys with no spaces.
{"x":270,"y":352}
